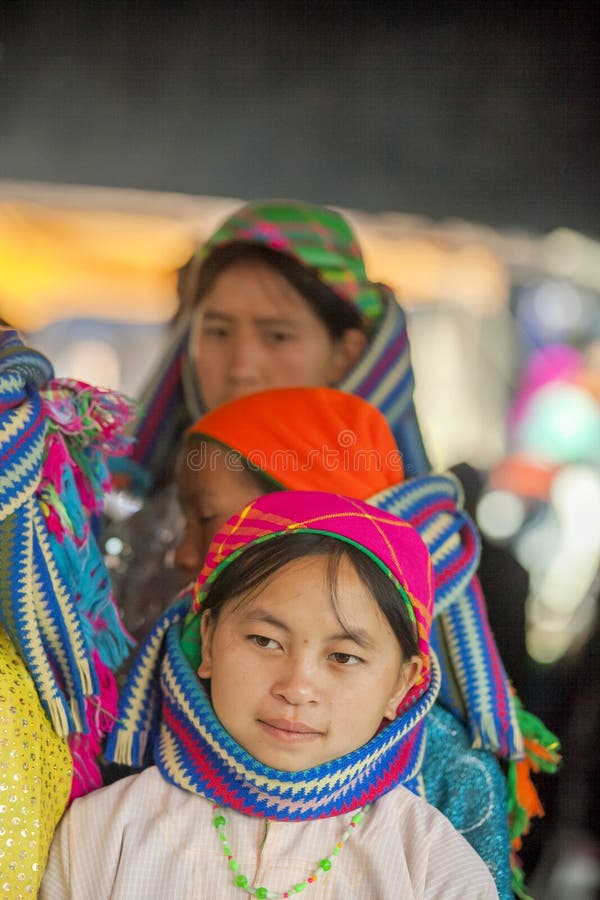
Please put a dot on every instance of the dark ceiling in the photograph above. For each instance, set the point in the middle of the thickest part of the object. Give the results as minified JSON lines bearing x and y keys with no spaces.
{"x":487,"y":112}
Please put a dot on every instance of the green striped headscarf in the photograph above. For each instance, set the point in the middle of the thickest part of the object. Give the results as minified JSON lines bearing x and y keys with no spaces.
{"x":315,"y":236}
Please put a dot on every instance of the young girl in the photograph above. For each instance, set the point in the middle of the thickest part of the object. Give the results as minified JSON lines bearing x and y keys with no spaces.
{"x":289,"y":708}
{"x":324,"y":439}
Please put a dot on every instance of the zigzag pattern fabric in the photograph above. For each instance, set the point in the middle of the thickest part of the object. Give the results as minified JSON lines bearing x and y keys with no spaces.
{"x":190,"y":746}
{"x":475,"y":686}
{"x":315,"y":236}
{"x":55,"y":596}
{"x":384,"y":377}
{"x":166,"y":718}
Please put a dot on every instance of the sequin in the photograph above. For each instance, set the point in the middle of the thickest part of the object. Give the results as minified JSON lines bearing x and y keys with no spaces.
{"x":35,"y":778}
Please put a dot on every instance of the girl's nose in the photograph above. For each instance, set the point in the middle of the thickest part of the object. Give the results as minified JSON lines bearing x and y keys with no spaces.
{"x":188,"y":556}
{"x":296,"y":683}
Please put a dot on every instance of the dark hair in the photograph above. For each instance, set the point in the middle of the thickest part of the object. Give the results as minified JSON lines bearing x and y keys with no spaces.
{"x":337,"y":314}
{"x":260,"y":561}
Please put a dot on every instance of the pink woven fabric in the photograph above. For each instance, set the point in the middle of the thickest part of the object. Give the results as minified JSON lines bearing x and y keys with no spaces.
{"x":395,"y":545}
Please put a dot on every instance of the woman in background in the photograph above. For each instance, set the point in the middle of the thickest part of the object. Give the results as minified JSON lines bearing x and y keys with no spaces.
{"x":279,"y":297}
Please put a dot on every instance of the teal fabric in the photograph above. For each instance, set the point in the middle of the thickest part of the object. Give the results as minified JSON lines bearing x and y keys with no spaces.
{"x":469,"y":788}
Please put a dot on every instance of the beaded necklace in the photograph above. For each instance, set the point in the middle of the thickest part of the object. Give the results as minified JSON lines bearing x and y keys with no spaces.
{"x":241,"y":881}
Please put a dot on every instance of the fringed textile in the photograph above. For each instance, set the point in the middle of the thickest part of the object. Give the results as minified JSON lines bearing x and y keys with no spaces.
{"x":56,"y":602}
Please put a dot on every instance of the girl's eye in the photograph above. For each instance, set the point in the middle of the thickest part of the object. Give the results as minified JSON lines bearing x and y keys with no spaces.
{"x":261,"y":641}
{"x":279,"y":337}
{"x":204,"y":520}
{"x":214,"y":331}
{"x":346,"y":659}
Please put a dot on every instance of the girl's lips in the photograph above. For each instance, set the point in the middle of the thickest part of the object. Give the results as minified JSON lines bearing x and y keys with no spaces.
{"x":289,"y":731}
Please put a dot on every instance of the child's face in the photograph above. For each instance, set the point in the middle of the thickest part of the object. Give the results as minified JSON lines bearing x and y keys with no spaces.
{"x":289,"y":682}
{"x":211,"y":489}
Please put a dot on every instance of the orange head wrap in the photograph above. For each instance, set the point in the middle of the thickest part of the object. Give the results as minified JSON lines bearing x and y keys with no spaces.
{"x":318,"y":439}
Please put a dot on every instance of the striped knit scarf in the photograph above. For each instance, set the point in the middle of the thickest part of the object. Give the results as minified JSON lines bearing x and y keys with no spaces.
{"x":166,"y":717}
{"x":474,"y":684}
{"x":165,"y":709}
{"x":384,"y":377}
{"x":55,"y":596}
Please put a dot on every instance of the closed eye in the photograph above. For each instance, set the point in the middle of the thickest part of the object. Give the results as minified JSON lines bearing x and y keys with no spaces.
{"x":279,"y":337}
{"x":218,"y":331}
{"x":204,"y":520}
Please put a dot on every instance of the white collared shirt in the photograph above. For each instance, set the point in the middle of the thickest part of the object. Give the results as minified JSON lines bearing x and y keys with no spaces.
{"x":143,"y":838}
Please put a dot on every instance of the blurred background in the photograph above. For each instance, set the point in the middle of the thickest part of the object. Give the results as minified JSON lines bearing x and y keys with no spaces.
{"x":463,"y":143}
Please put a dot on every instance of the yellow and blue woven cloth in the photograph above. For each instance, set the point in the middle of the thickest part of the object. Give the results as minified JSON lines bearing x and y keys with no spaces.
{"x":56,"y":602}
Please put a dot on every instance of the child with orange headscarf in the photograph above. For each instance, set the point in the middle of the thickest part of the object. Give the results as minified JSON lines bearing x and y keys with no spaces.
{"x":321,"y":438}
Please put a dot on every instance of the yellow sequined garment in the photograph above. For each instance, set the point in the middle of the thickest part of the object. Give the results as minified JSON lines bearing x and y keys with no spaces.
{"x":35,"y":778}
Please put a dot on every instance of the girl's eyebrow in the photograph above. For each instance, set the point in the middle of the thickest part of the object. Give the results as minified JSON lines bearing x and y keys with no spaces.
{"x":215,"y":314}
{"x":358,"y":635}
{"x":260,"y":320}
{"x":261,"y":615}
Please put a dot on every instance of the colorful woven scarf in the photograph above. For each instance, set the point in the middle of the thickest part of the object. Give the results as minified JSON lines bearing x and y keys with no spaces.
{"x":337,"y":441}
{"x":56,"y":602}
{"x":475,"y":686}
{"x":318,"y":426}
{"x":191,"y":748}
{"x":315,"y":237}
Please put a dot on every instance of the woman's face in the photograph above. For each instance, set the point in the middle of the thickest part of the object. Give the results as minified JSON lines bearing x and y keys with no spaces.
{"x":297,"y":681}
{"x":253,"y":331}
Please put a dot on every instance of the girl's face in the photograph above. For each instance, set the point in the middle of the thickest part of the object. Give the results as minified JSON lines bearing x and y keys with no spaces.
{"x":293,"y":685}
{"x":212,"y":485}
{"x":253,"y":331}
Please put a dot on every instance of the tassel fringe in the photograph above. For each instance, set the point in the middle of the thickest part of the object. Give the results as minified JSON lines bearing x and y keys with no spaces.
{"x":542,"y":753}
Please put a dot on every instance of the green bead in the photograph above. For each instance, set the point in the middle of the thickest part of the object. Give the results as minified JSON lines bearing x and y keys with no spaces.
{"x":262,"y":892}
{"x":241,"y":881}
{"x":356,"y":819}
{"x":227,"y":850}
{"x":300,"y":887}
{"x":222,"y":838}
{"x":218,"y":821}
{"x":325,"y":864}
{"x":233,"y":865}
